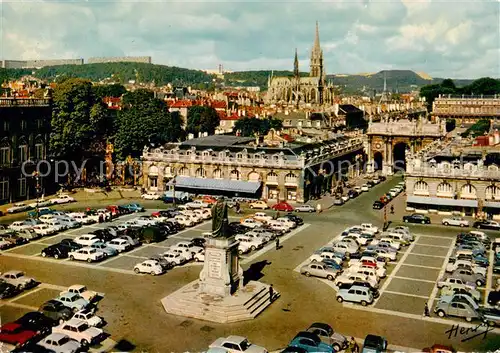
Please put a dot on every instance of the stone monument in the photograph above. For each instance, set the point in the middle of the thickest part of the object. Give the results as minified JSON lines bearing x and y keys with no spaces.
{"x":219,"y":294}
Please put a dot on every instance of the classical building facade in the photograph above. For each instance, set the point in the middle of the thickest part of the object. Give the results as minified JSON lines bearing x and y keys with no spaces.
{"x":298,"y":90}
{"x":466,"y":109}
{"x":468,"y":183}
{"x":24,"y":137}
{"x":241,"y":166}
{"x":389,"y":141}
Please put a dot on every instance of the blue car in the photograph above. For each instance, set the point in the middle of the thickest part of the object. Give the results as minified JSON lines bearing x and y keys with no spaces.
{"x":311,"y":343}
{"x":332,"y":264}
{"x":134,"y":207}
{"x":109,"y":251}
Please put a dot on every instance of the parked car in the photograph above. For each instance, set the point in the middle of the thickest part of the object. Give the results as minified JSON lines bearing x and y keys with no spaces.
{"x":15,"y":334}
{"x":197,"y":204}
{"x":56,"y":251}
{"x":355,"y":294}
{"x":304,"y":208}
{"x":310,"y":342}
{"x":282,"y":206}
{"x":417,"y":218}
{"x":491,"y":316}
{"x":150,"y":196}
{"x":236,"y":344}
{"x":62,"y":198}
{"x":319,"y":269}
{"x":70,"y":244}
{"x":56,"y":311}
{"x":455,"y":221}
{"x":327,"y":335}
{"x":80,"y":331}
{"x":89,"y":317}
{"x":82,"y":291}
{"x":8,"y":290}
{"x":487,"y":224}
{"x":149,"y":266}
{"x":60,"y":343}
{"x":378,"y":205}
{"x":133,"y":207}
{"x":258,"y":204}
{"x":457,"y":308}
{"x":18,"y":207}
{"x":37,"y":322}
{"x":86,"y":254}
{"x":374,"y":344}
{"x":19,"y":280}
{"x":73,"y":301}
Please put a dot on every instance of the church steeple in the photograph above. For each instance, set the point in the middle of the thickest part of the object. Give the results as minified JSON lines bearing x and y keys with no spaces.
{"x":296,"y":72}
{"x":316,"y":56}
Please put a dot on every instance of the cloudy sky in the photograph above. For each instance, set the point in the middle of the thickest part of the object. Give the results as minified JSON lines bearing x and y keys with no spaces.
{"x":459,"y":39}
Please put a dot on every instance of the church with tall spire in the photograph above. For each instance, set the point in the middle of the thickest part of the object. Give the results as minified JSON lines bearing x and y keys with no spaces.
{"x":299,"y":89}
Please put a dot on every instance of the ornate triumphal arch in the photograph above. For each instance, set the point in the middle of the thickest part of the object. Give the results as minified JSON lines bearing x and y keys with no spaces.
{"x":389,"y":141}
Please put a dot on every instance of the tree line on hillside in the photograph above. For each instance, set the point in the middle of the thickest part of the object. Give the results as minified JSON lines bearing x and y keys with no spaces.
{"x":82,"y":125}
{"x":482,"y":86}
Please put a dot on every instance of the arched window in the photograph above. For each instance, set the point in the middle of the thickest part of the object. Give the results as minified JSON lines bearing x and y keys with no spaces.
{"x":4,"y":188}
{"x":153,"y":170}
{"x":169,"y":172}
{"x":183,"y":172}
{"x":218,"y":174}
{"x":22,"y":150}
{"x":468,"y":191}
{"x":492,"y":193}
{"x":421,"y":188}
{"x":200,"y":173}
{"x":239,"y":155}
{"x":272,"y":177}
{"x":290,"y":178}
{"x":4,"y":153}
{"x":253,"y":176}
{"x":39,"y":149}
{"x":444,"y":189}
{"x":235,"y":175}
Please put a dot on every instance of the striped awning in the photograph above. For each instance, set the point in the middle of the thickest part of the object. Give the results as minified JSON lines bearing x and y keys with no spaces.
{"x":248,"y":187}
{"x":441,"y":201}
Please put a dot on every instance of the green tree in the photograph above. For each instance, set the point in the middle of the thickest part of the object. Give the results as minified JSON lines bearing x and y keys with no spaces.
{"x":144,"y":120}
{"x":248,"y":126}
{"x":78,"y":120}
{"x":114,"y":90}
{"x":202,"y":119}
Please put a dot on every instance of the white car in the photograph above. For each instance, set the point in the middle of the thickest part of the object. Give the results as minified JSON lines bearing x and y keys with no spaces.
{"x":358,"y":237}
{"x":56,"y":225}
{"x":187,"y":246}
{"x":236,"y":344}
{"x":251,"y":223}
{"x":357,"y":189}
{"x":146,"y":221}
{"x":393,"y":243}
{"x":196,"y":218}
{"x":348,"y":278}
{"x":86,"y":254}
{"x":82,"y":291}
{"x":325,"y":255}
{"x":387,"y":254}
{"x":349,"y":241}
{"x":87,"y":239}
{"x":369,"y":227}
{"x":287,"y":222}
{"x":119,"y":245}
{"x":18,"y":207}
{"x":149,"y":266}
{"x":199,"y":257}
{"x":203,"y":213}
{"x":18,"y":279}
{"x":80,"y":331}
{"x":4,"y":244}
{"x":40,"y":203}
{"x":62,"y":198}
{"x":304,"y":208}
{"x":184,"y":220}
{"x":365,"y":187}
{"x":249,"y":244}
{"x":370,"y":272}
{"x":19,"y":225}
{"x":262,"y":217}
{"x":345,"y":248}
{"x":81,"y":217}
{"x":185,"y":253}
{"x":47,"y":218}
{"x":265,"y":236}
{"x":129,"y":239}
{"x":197,"y":204}
{"x":450,"y":267}
{"x":264,"y":233}
{"x":280,"y":227}
{"x":60,"y":343}
{"x":151,"y":196}
{"x":455,"y":221}
{"x":89,"y":317}
{"x":68,"y":221}
{"x":173,"y":257}
{"x":43,"y":229}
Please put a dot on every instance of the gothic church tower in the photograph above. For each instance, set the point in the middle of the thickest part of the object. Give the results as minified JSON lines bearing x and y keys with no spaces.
{"x":316,"y":64}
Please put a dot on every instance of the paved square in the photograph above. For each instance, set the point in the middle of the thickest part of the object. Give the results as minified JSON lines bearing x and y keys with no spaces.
{"x":147,"y":251}
{"x":424,"y":260}
{"x":11,"y":313}
{"x":418,"y":273}
{"x":429,"y":250}
{"x":122,"y":262}
{"x":435,"y":241}
{"x":409,"y":287}
{"x":37,"y":296}
{"x":28,"y":249}
{"x":401,"y":303}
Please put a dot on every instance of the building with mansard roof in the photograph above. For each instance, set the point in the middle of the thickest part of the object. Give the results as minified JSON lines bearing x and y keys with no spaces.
{"x":298,"y":90}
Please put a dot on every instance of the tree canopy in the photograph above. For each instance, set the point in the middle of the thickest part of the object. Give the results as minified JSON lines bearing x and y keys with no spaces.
{"x":482,"y":86}
{"x":79,"y":121}
{"x":202,"y":119}
{"x":114,"y":90}
{"x":144,"y":120}
{"x":248,"y":126}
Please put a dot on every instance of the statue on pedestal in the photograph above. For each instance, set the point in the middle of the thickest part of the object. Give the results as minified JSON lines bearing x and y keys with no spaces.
{"x":219,"y":220}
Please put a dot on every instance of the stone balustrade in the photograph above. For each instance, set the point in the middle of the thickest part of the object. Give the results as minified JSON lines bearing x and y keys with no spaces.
{"x":478,"y":173}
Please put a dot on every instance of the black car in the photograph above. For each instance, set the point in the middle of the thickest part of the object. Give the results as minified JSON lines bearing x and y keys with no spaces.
{"x":198,"y":242}
{"x":36,"y":321}
{"x":56,"y":251}
{"x":56,"y":311}
{"x":236,"y":227}
{"x":375,"y":343}
{"x":352,"y":194}
{"x":32,"y":348}
{"x":494,"y":298}
{"x":294,"y":218}
{"x":417,"y":218}
{"x":491,"y":225}
{"x":103,"y":234}
{"x":378,"y":205}
{"x":8,"y":290}
{"x":70,"y":244}
{"x":496,"y":267}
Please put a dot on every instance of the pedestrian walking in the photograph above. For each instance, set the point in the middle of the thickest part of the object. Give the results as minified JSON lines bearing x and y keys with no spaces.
{"x":277,"y":243}
{"x":100,"y":218}
{"x":392,"y":209}
{"x":426,"y":310}
{"x":318,"y":208}
{"x":271,"y":293}
{"x":354,"y":345}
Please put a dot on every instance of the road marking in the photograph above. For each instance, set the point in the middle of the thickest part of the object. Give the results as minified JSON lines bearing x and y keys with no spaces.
{"x":396,"y":269}
{"x":70,"y":263}
{"x":413,"y":279}
{"x":434,"y":236}
{"x":136,"y":257}
{"x":435,"y":290}
{"x":447,"y":322}
{"x":159,"y":246}
{"x":406,"y":294}
{"x":421,"y":266}
{"x":271,"y":245}
{"x":489,"y":276}
{"x":53,"y":286}
{"x":437,"y":256}
{"x":434,"y":246}
{"x":17,"y":305}
{"x":25,"y":294}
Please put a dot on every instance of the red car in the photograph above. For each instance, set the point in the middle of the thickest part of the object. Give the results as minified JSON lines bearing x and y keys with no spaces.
{"x":15,"y":334}
{"x":369,"y":263}
{"x":282,"y":206}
